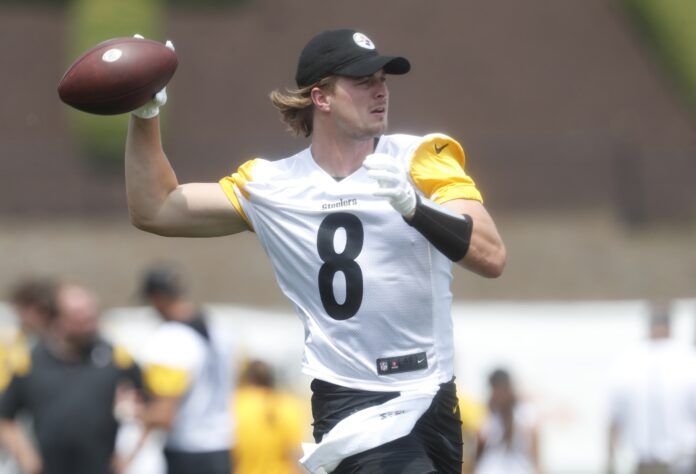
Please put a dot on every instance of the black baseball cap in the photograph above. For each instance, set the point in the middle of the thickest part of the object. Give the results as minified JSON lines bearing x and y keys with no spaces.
{"x":162,"y":280}
{"x":344,"y":52}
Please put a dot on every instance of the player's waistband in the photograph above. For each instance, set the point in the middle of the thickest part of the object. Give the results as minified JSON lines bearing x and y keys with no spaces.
{"x":331,"y":403}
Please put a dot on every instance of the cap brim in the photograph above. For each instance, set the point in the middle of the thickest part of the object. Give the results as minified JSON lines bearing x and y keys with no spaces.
{"x":370,"y":65}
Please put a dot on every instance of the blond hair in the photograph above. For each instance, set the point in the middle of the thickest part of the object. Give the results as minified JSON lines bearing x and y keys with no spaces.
{"x":296,"y":107}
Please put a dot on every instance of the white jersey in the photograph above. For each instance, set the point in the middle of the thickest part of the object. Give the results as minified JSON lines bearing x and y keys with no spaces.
{"x":372,"y":293}
{"x":181,"y":362}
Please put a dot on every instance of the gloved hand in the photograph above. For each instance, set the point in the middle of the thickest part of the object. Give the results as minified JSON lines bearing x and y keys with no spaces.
{"x":393,"y":182}
{"x":151,"y":108}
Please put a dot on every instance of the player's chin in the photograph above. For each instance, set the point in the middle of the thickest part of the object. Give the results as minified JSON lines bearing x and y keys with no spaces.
{"x":378,"y":127}
{"x":369,"y":129}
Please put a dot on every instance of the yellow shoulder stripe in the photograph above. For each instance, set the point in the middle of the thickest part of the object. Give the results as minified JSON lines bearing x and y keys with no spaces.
{"x":437,"y":169}
{"x":122,"y":358}
{"x":240,"y":179}
{"x":164,"y":381}
{"x":5,"y":369}
{"x":19,"y":358}
{"x":15,"y":359}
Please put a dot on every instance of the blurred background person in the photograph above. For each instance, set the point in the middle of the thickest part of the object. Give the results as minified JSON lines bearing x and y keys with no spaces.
{"x":69,"y":388}
{"x":652,"y":401}
{"x":187,"y":373}
{"x":509,"y":439}
{"x":33,"y":301}
{"x":270,"y":424}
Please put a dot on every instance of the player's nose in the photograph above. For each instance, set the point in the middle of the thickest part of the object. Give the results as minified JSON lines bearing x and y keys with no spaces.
{"x":380,"y":90}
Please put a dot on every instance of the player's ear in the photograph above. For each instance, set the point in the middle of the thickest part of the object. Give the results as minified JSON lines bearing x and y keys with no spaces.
{"x":321,"y":99}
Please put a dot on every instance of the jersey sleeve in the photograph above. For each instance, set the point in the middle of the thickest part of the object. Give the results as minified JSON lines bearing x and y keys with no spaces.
{"x":234,"y":187}
{"x":5,"y":370}
{"x":437,"y":169}
{"x":13,"y":398}
{"x":171,"y":363}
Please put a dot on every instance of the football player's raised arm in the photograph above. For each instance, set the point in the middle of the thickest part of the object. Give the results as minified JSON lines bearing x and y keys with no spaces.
{"x":486,"y":255}
{"x":159,"y":204}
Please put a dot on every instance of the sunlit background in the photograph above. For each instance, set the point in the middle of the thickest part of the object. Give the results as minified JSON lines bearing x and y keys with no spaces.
{"x":577,"y":117}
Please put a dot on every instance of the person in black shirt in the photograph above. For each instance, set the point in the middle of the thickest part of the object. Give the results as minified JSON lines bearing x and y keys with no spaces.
{"x":69,"y":388}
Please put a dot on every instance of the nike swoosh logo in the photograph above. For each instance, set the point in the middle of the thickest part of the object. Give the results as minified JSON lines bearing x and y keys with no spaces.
{"x":438,"y":149}
{"x":420,"y":361}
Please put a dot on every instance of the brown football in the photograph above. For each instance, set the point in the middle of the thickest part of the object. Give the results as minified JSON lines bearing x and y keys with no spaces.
{"x":117,"y":76}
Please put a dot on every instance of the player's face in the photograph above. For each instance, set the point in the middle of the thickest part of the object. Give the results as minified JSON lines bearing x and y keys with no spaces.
{"x":502,"y":395}
{"x":359,"y":106}
{"x":78,"y":316}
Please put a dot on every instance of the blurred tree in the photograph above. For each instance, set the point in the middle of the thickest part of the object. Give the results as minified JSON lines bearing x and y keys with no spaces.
{"x":93,"y":21}
{"x":669,"y":25}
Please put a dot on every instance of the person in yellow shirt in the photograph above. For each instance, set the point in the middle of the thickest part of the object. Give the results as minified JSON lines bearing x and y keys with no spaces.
{"x":473,"y":414}
{"x":269,"y":424}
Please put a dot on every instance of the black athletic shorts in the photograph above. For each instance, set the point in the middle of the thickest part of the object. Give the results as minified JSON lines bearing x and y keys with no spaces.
{"x":434,"y":445}
{"x":211,"y":462}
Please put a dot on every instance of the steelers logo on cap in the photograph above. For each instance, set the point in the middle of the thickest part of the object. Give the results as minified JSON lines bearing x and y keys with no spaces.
{"x":363,"y":41}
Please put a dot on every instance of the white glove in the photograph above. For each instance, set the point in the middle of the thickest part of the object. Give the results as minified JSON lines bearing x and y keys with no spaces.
{"x":393,"y":182}
{"x":151,"y":108}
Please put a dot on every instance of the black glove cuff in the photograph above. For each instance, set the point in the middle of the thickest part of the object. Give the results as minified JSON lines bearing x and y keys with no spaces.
{"x":448,"y":233}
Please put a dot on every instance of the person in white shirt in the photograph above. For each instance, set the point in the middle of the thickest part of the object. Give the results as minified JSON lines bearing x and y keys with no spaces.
{"x":509,"y":439}
{"x":652,"y":402}
{"x":362,"y":229}
{"x":187,"y":373}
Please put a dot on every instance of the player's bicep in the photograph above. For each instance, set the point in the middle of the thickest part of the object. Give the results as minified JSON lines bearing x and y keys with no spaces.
{"x":486,"y":255}
{"x":198,"y":210}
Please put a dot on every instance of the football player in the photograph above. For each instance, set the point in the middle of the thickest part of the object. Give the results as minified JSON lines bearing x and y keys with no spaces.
{"x":361,"y":229}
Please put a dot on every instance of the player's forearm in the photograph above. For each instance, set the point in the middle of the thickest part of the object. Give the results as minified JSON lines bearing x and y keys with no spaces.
{"x":14,"y":439}
{"x":150,"y":178}
{"x":160,"y":413}
{"x":486,"y":255}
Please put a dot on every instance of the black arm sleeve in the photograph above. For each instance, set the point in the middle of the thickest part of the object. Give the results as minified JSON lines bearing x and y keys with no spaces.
{"x":448,"y":232}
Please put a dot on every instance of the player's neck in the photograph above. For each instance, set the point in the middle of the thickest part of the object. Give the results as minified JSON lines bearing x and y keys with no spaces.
{"x":339,"y":155}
